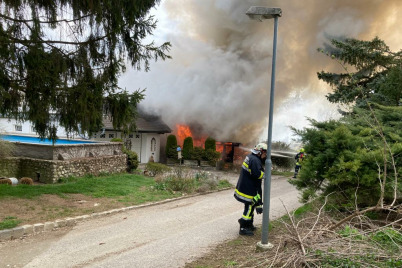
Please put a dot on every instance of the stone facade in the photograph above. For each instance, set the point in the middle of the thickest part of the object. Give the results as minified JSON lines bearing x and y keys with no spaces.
{"x":67,"y":152}
{"x":50,"y":171}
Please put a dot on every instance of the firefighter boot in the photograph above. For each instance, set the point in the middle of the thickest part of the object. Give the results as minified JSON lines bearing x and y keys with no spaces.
{"x":245,"y":228}
{"x":251,"y":225}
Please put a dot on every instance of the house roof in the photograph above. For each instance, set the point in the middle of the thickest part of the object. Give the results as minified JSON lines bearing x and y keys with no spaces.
{"x":146,"y":123}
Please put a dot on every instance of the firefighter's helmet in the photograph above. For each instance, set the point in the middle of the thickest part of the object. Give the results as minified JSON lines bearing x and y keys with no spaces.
{"x":302,"y":150}
{"x":261,"y":147}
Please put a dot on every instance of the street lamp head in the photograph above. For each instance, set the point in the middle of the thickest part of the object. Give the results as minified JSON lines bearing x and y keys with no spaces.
{"x":261,"y":13}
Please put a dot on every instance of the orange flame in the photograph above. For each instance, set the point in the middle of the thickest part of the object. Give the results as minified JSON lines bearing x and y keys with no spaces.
{"x":184,"y":131}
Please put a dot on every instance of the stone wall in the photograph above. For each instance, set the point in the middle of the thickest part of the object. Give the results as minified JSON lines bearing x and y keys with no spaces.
{"x":67,"y":152}
{"x":9,"y":167}
{"x":50,"y":171}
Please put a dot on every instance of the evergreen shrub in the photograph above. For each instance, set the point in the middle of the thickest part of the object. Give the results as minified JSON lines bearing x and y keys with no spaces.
{"x":210,"y":144}
{"x":187,"y":148}
{"x":132,"y":159}
{"x":171,"y":147}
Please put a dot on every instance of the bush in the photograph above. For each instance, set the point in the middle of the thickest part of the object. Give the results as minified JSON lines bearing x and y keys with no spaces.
{"x":156,"y":168}
{"x":171,"y":146}
{"x":116,"y":140}
{"x":279,"y":145}
{"x":187,"y":148}
{"x":210,"y":144}
{"x":183,"y":181}
{"x":132,"y":160}
{"x":197,"y":154}
{"x":176,"y":184}
{"x":211,"y":155}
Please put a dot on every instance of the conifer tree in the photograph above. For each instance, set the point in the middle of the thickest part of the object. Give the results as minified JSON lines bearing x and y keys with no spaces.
{"x":60,"y":61}
{"x":358,"y":157}
{"x":372,"y":73}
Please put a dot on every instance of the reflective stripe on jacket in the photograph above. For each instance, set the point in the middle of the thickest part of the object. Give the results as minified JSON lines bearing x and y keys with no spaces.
{"x":249,"y":183}
{"x":299,"y":158}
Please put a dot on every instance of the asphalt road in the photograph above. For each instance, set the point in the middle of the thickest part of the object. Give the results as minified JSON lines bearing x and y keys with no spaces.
{"x":165,"y":235}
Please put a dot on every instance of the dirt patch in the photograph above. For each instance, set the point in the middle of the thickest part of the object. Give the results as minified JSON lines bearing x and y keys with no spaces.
{"x":52,"y":207}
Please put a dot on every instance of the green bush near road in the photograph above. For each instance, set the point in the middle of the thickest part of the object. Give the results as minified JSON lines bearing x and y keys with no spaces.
{"x":132,"y":160}
{"x":155,"y":169}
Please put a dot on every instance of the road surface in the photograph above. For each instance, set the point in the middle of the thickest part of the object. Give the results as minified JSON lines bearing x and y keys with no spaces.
{"x":165,"y":235}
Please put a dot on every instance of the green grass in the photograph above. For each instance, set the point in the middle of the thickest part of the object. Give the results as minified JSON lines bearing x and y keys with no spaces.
{"x":126,"y":188}
{"x":9,"y":222}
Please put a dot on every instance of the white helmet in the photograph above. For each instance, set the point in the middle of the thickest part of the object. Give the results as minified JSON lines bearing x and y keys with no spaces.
{"x":261,"y":147}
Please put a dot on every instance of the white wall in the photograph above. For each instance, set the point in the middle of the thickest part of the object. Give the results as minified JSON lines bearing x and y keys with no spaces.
{"x":23,"y":128}
{"x":140,"y":143}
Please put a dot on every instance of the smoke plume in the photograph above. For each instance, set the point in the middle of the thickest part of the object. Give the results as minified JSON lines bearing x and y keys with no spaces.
{"x":219,"y":76}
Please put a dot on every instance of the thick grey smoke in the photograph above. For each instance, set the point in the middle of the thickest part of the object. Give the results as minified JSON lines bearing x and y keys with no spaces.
{"x":219,"y":77}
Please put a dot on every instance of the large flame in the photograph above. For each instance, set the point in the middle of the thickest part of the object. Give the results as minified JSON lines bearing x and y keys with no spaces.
{"x":184,"y":131}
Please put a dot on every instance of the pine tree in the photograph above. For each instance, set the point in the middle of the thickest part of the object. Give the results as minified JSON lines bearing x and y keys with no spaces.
{"x":358,"y":157}
{"x":372,"y":72}
{"x":60,"y":61}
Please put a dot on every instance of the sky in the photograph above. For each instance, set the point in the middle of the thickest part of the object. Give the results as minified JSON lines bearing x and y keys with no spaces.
{"x":218,"y":80}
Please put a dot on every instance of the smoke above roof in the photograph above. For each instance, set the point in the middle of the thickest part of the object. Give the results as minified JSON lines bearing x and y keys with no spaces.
{"x":218,"y":79}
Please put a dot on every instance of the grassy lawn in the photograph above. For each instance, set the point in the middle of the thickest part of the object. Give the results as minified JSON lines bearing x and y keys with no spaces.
{"x":135,"y":189}
{"x":27,"y":204}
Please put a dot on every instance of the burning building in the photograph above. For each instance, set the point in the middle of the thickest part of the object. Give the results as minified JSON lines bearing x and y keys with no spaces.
{"x":231,"y":152}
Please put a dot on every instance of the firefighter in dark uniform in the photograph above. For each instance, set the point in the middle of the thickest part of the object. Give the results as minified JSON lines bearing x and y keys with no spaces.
{"x":299,"y":159}
{"x":248,"y":189}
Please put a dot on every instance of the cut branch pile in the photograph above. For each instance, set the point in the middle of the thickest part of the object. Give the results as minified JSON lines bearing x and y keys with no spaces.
{"x":315,"y":241}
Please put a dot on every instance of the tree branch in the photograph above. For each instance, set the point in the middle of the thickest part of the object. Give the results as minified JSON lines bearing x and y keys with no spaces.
{"x":44,"y":22}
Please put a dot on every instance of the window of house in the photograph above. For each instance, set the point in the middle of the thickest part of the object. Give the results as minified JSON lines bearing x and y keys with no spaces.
{"x":153,"y":145}
{"x":33,"y":129}
{"x":137,"y":136}
{"x":18,"y":127}
{"x":111,"y":136}
{"x":130,"y":136}
{"x":102,"y":136}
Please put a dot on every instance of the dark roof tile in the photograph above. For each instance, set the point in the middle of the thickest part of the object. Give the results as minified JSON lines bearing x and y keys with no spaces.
{"x":145,"y":123}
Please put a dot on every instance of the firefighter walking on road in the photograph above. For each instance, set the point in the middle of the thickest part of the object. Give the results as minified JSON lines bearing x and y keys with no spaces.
{"x":248,"y":189}
{"x":299,"y":159}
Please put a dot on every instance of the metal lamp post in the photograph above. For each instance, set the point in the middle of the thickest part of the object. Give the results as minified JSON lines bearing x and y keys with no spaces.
{"x":261,"y":13}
